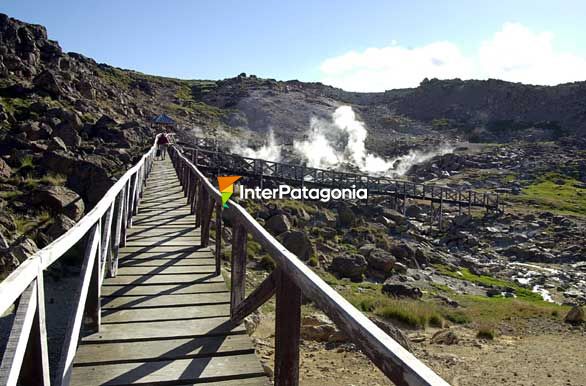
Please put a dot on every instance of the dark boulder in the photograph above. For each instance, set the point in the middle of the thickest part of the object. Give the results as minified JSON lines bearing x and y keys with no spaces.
{"x":47,"y":82}
{"x":278,"y":224}
{"x":298,"y":243}
{"x":403,"y":251}
{"x":60,"y":200}
{"x":380,"y":260}
{"x":575,"y":316}
{"x":351,"y":266}
{"x":402,"y":290}
{"x":88,"y":177}
{"x":346,"y":216}
{"x":60,"y":225}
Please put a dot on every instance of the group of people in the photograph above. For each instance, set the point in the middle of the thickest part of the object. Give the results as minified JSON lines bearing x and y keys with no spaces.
{"x":163,"y":142}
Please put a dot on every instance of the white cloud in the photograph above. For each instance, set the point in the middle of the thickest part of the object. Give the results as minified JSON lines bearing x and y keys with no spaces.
{"x":515,"y":53}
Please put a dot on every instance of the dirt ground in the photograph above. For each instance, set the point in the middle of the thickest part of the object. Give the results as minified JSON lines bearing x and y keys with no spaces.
{"x":533,"y":358}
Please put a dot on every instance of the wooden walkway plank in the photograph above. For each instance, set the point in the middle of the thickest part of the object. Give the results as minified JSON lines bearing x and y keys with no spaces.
{"x":166,"y":315}
{"x":176,"y":313}
{"x":164,"y":349}
{"x":130,"y":290}
{"x":180,"y":371}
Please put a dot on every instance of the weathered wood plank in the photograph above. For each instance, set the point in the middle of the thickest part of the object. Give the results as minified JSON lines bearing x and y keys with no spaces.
{"x":165,"y":270}
{"x":120,"y":290}
{"x":163,"y":330}
{"x":161,"y":249}
{"x":163,"y":300}
{"x":165,"y":279}
{"x":180,"y":371}
{"x":162,"y":232}
{"x":167,"y":254}
{"x":162,"y":215}
{"x":178,"y":262}
{"x":176,"y":242}
{"x":162,"y":349}
{"x":152,"y":314}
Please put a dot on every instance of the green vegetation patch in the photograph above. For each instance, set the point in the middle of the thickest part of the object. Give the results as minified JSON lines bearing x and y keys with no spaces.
{"x":557,"y":193}
{"x":429,"y":311}
{"x":115,"y":76}
{"x":488,"y":281}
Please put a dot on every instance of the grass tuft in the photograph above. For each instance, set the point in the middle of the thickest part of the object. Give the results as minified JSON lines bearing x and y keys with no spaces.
{"x":53,"y":179}
{"x":26,"y":162}
{"x":486,"y":332}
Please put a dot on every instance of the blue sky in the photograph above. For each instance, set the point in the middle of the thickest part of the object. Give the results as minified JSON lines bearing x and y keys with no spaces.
{"x":394,"y":43}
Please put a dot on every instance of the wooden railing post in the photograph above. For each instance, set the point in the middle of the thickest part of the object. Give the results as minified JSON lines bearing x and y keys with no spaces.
{"x":123,"y":229}
{"x":92,"y":305}
{"x":35,"y":368}
{"x":119,"y":233}
{"x":199,"y":209}
{"x":25,"y":360}
{"x":13,"y":356}
{"x":195,"y":201}
{"x":188,"y":188}
{"x":287,"y":332}
{"x":186,"y":176}
{"x":106,"y":252}
{"x":133,"y":203}
{"x":238,"y":277}
{"x":207,"y":212}
{"x":218,"y":237}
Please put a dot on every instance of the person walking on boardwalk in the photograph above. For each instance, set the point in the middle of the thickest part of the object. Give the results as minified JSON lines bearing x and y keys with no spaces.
{"x":163,"y":142}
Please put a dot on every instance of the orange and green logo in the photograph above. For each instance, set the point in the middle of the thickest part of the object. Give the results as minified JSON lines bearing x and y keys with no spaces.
{"x":226,"y":185}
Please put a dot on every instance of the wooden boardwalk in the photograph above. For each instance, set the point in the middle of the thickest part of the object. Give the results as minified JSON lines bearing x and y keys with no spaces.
{"x":165,"y":317}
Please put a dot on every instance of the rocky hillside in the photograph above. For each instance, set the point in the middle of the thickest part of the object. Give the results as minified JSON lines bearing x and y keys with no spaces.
{"x":68,"y":128}
{"x":491,"y":110}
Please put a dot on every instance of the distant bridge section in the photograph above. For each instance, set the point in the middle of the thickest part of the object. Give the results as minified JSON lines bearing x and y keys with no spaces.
{"x":207,"y":154}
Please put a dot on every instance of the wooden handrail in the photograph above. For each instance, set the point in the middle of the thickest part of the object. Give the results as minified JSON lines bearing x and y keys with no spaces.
{"x":26,"y":355}
{"x":293,"y":278}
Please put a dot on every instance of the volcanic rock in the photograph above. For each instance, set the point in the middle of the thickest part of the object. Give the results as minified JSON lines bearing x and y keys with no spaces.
{"x":401,"y":290}
{"x":298,"y":243}
{"x":278,"y":224}
{"x":60,"y":200}
{"x":575,"y":315}
{"x":351,"y":266}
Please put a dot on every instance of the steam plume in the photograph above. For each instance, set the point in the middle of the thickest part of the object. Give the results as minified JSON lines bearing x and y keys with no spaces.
{"x":337,"y":142}
{"x":270,"y":151}
{"x":330,"y":144}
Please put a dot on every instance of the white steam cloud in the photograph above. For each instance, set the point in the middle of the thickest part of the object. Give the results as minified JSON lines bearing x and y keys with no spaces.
{"x":331,"y":144}
{"x":337,"y":143}
{"x":270,"y":151}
